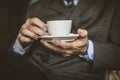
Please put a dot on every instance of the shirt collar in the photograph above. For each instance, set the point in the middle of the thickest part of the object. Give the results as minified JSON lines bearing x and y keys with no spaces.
{"x":74,"y":1}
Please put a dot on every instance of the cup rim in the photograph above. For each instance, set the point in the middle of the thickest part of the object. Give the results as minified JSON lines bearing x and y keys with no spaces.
{"x":58,"y":20}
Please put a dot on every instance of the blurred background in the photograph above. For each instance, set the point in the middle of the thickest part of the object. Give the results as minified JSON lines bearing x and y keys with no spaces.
{"x":13,"y":66}
{"x":12,"y":13}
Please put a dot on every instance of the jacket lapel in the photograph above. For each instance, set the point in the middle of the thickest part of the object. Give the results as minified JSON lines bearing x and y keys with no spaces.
{"x":83,"y":5}
{"x":59,"y":6}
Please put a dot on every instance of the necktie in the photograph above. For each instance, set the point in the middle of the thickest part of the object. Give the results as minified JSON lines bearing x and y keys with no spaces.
{"x":70,"y":5}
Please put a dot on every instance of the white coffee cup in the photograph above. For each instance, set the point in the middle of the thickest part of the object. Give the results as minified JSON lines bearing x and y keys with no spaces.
{"x":59,"y":27}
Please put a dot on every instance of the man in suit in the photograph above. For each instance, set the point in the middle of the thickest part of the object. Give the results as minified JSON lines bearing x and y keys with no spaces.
{"x":86,"y":58}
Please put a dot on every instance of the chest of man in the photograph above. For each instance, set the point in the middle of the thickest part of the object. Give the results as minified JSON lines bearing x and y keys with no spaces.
{"x":94,"y":16}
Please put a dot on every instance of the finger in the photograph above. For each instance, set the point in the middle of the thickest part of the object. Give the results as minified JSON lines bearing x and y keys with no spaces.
{"x":66,"y":55}
{"x":29,"y":34}
{"x":51,"y":46}
{"x":24,"y":39}
{"x":82,"y":32}
{"x":64,"y":52}
{"x":70,"y":52}
{"x":37,"y":30}
{"x":63,"y":44}
{"x":37,"y":22}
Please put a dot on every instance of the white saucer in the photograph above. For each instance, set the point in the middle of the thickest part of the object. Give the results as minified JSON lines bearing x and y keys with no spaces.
{"x":69,"y":37}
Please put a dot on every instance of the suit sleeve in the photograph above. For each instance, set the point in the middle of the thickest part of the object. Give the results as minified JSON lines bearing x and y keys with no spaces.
{"x":107,"y":55}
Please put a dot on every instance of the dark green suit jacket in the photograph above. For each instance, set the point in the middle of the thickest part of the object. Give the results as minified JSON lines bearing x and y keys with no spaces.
{"x":101,"y":18}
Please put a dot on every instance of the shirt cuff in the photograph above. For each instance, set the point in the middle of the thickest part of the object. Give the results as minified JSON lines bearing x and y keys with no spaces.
{"x":90,"y":52}
{"x":17,"y":48}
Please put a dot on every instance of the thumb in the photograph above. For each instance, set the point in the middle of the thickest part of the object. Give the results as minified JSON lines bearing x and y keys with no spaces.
{"x":82,"y":32}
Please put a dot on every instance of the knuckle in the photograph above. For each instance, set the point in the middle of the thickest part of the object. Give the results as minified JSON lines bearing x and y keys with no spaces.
{"x":29,"y":40}
{"x":68,"y":52}
{"x":23,"y":31}
{"x":24,"y":27}
{"x":34,"y":36}
{"x":25,"y":40}
{"x":33,"y":20}
{"x":28,"y":21}
{"x":66,"y":55}
{"x":22,"y":39}
{"x":31,"y":28}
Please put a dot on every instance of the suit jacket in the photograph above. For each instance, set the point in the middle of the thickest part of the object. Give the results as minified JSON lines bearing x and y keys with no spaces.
{"x":101,"y":18}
